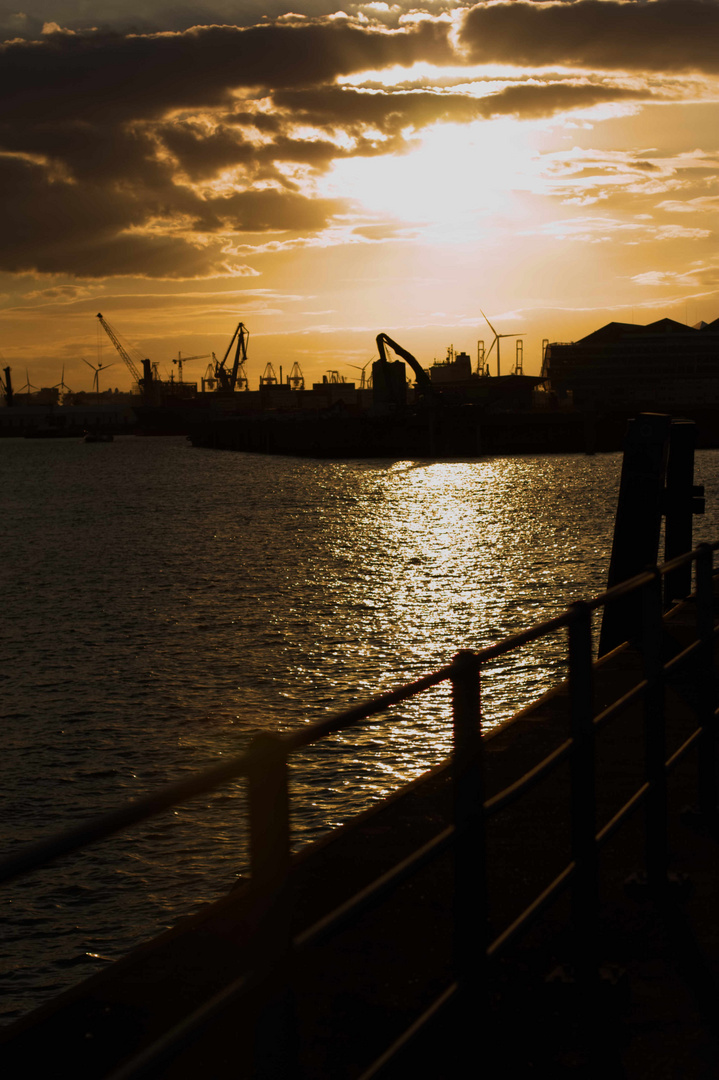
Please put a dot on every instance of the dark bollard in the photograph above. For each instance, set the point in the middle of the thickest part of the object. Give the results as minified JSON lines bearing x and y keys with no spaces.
{"x":638,"y":522}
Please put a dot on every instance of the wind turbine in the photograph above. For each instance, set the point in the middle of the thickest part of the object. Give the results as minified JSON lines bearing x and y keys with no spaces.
{"x":28,"y":385}
{"x":363,"y":381}
{"x":62,"y":385}
{"x":96,"y":380}
{"x":497,"y":338}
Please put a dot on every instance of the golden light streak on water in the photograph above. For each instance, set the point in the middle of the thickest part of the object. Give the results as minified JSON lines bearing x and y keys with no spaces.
{"x":162,"y":604}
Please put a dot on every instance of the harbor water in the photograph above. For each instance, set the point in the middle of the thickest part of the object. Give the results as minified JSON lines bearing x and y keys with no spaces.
{"x":163,"y":603}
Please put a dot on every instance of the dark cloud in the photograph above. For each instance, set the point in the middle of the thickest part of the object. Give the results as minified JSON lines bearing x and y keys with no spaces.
{"x":388,"y":111}
{"x":391,"y":112}
{"x":106,"y":77}
{"x":50,"y":229}
{"x":270,"y":211}
{"x":532,"y":100}
{"x":146,"y":16}
{"x":664,"y":35}
{"x":111,"y":144}
{"x":202,"y":154}
{"x":101,"y":133}
{"x":55,"y":226}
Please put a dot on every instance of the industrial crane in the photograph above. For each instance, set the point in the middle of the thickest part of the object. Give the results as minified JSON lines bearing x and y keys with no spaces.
{"x":144,"y":381}
{"x":268,"y":377}
{"x":424,"y":386}
{"x":185,"y":360}
{"x":229,"y":380}
{"x":295,"y":378}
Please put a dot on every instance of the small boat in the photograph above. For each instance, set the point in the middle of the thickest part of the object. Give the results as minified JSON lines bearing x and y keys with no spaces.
{"x":99,"y":436}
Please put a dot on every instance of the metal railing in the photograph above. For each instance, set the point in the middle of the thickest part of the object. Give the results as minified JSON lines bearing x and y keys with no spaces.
{"x":265,"y":767}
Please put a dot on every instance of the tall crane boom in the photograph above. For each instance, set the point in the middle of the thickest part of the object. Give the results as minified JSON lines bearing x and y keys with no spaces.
{"x":228,"y":379}
{"x":122,"y":351}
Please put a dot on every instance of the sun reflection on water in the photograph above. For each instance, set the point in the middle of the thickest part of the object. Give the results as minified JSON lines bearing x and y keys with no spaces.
{"x":236,"y":592}
{"x":433,"y":557}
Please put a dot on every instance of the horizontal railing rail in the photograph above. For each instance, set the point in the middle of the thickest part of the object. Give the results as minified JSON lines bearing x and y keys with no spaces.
{"x":264,"y":765}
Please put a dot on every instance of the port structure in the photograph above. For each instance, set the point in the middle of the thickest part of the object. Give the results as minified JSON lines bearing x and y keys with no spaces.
{"x":234,"y":378}
{"x":268,"y":376}
{"x":519,"y":358}
{"x":185,"y":360}
{"x":143,"y":380}
{"x":482,"y":367}
{"x":424,"y":386}
{"x":296,"y":379}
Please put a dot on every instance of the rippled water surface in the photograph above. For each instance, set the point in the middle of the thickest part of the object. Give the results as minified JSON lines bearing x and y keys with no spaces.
{"x":162,"y":603}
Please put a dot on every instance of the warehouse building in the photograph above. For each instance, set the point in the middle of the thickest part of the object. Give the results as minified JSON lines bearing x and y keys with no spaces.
{"x":665,"y":366}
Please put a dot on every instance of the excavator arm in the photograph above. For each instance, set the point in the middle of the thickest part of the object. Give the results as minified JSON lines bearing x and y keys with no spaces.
{"x":423,"y":382}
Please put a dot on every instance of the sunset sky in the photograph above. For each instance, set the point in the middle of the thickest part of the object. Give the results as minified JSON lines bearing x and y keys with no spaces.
{"x":325,"y":175}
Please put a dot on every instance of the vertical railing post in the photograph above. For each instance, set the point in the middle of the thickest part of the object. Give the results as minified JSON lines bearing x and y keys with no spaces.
{"x":706,"y":688}
{"x":654,"y":734}
{"x":470,"y":872}
{"x":585,"y":895}
{"x":268,"y":799}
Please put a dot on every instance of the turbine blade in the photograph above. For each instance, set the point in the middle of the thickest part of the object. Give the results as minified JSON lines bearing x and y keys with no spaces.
{"x":489,"y":324}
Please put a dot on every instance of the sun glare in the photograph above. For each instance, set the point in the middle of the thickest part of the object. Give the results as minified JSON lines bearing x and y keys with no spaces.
{"x":423,"y":73}
{"x":456,"y":173}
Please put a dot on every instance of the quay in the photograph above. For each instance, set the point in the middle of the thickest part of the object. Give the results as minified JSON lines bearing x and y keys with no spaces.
{"x":464,"y":431}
